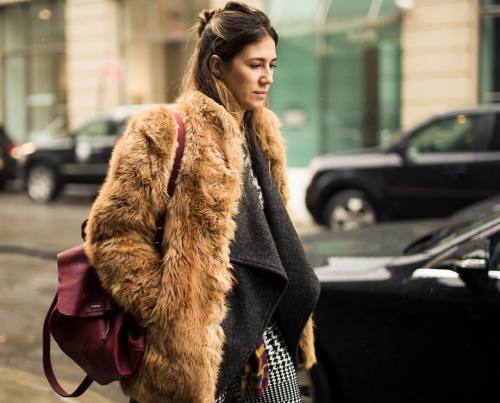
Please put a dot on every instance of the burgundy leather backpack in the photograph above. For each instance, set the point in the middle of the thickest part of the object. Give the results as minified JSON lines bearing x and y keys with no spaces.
{"x":85,"y":322}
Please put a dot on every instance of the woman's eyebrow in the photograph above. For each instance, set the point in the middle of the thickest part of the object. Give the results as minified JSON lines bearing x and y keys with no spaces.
{"x":261,"y":59}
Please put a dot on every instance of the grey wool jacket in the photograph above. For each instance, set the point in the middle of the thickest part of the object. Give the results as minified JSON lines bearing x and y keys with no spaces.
{"x":274,"y":278}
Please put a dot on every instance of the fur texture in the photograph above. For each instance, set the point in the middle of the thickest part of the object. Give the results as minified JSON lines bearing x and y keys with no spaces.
{"x":178,"y":298}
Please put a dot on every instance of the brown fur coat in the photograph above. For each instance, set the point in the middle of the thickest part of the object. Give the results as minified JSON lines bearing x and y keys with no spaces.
{"x":179,"y":297}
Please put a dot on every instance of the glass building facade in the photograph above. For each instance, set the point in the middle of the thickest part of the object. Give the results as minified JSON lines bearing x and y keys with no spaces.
{"x":490,"y":51}
{"x":32,"y":68}
{"x":338,"y":83}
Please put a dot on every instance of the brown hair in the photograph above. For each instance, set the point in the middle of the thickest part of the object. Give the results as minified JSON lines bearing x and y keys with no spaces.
{"x":223,"y":32}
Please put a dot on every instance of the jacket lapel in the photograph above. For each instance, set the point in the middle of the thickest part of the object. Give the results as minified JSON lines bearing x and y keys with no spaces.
{"x":303,"y":291}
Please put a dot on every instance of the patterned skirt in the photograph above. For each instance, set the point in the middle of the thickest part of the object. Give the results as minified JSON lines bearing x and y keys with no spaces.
{"x":283,"y":384}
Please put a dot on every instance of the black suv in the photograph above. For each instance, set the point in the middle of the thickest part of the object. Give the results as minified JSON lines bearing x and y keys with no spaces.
{"x":81,"y":157}
{"x":443,"y":164}
{"x":8,"y":164}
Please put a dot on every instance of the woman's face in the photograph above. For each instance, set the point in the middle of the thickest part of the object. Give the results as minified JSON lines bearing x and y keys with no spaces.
{"x":249,"y":74}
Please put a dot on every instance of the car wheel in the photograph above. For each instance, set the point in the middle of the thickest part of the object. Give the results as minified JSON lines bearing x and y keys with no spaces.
{"x":348,"y":210}
{"x":313,"y":386}
{"x":42,"y":184}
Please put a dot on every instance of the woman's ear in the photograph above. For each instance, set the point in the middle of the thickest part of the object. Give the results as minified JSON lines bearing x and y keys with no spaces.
{"x":215,"y":63}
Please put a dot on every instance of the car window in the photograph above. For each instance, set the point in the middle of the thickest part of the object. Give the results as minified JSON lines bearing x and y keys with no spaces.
{"x":494,"y":261}
{"x":120,"y":126}
{"x":449,"y":232}
{"x":456,"y":134}
{"x":95,"y":129}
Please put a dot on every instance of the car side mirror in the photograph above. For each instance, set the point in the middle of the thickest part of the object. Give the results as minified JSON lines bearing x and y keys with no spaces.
{"x":472,"y":255}
{"x":474,"y":263}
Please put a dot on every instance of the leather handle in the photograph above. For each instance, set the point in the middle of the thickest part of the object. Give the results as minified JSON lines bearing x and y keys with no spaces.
{"x":47,"y":364}
{"x":181,"y":138}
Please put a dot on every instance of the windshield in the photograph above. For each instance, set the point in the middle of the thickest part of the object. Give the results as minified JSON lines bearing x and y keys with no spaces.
{"x":56,"y":129}
{"x":450,"y":231}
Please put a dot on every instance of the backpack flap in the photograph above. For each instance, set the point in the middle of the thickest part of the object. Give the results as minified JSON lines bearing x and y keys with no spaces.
{"x":79,"y":290}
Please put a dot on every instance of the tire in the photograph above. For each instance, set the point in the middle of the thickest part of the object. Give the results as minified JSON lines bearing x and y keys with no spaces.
{"x":42,"y":183}
{"x":349,"y":209}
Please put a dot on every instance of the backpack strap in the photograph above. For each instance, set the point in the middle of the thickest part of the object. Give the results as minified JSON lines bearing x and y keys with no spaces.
{"x":47,"y":364}
{"x":87,"y":381}
{"x":179,"y":152}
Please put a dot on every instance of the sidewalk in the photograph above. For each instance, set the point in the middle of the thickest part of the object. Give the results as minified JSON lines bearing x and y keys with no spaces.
{"x":21,"y":387}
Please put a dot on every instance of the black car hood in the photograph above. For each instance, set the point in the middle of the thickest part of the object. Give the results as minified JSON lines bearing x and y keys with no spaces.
{"x":381,"y":240}
{"x":367,"y":268}
{"x":355,"y":269}
{"x":364,"y":158}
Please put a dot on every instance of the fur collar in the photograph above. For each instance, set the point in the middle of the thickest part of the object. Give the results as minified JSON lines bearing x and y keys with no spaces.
{"x":267,"y":128}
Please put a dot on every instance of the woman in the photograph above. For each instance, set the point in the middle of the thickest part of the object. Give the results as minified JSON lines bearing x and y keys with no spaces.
{"x":226,"y":307}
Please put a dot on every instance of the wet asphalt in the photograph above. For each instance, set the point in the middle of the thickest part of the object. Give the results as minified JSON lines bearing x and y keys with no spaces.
{"x":30,"y":237}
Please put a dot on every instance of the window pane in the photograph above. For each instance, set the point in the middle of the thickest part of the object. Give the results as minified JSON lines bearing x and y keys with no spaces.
{"x":15,"y":93}
{"x":490,"y":2}
{"x":15,"y":27}
{"x":47,"y":22}
{"x":447,"y":135}
{"x":46,"y":97}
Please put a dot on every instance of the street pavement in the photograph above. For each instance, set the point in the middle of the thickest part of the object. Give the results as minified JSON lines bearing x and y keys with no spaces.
{"x":30,"y":237}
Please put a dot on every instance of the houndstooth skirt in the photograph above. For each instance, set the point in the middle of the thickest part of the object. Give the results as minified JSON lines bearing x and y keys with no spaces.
{"x":283,"y":384}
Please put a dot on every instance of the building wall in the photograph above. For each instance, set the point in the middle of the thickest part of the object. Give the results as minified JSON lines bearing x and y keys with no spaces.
{"x":137,"y":52}
{"x":156,"y":45}
{"x":130,"y":51}
{"x":94,"y":64}
{"x":440,"y":57}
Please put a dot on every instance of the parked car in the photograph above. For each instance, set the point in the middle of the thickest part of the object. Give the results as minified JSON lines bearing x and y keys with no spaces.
{"x":418,"y":325}
{"x":8,"y":164}
{"x":443,"y":164}
{"x":81,"y":157}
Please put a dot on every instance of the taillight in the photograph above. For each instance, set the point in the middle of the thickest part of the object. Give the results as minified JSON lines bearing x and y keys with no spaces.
{"x":13,"y":149}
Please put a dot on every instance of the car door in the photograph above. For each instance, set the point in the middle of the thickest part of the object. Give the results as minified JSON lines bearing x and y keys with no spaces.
{"x":94,"y":143}
{"x":439,"y":172}
{"x":424,"y":335}
{"x":487,"y":164}
{"x":462,"y":319}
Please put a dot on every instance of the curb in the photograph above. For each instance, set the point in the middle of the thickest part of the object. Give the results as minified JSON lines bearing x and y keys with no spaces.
{"x":28,"y":251}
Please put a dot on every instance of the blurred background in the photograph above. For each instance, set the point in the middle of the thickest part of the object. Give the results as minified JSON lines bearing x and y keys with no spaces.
{"x":350,"y":71}
{"x":352,"y":74}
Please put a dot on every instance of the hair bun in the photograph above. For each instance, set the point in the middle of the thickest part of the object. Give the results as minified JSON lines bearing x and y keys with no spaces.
{"x":204,"y":18}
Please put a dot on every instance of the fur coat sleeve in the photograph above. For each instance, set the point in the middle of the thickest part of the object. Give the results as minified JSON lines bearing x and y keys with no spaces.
{"x":121,"y":226}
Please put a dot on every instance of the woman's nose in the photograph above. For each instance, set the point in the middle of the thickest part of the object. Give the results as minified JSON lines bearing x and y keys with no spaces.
{"x":267,"y":78}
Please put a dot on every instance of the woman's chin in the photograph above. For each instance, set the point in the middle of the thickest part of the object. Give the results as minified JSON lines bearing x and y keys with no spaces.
{"x":256,"y":105}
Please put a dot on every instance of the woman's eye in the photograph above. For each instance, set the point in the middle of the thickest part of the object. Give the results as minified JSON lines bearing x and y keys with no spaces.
{"x":255,"y":66}
{"x":273,"y":66}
